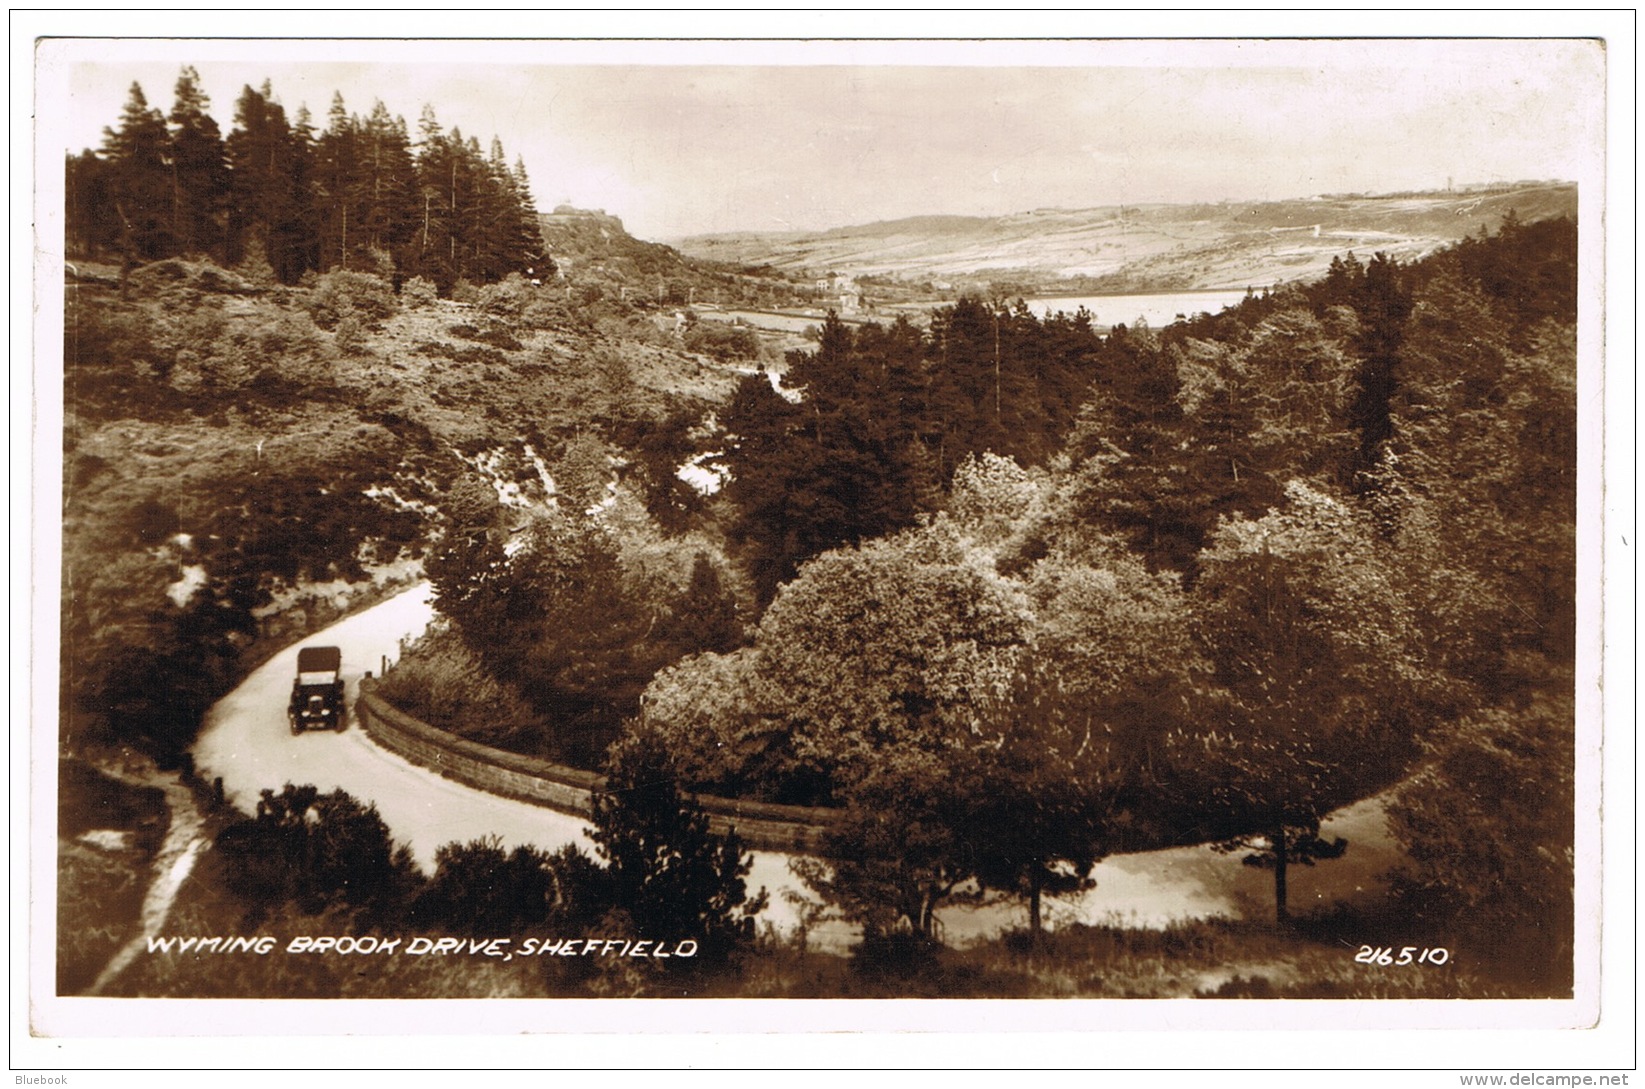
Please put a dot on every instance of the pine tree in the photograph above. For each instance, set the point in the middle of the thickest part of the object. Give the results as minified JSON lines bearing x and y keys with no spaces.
{"x":256,"y":154}
{"x":297,"y":231}
{"x":434,"y":240}
{"x":538,"y":263}
{"x":666,"y":869}
{"x":1383,"y":303}
{"x":199,"y":173}
{"x":91,"y":224}
{"x":138,"y":154}
{"x":338,"y":181}
{"x":272,"y":169}
{"x":386,"y":209}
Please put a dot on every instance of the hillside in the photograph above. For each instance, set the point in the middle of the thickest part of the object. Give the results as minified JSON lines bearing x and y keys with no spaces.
{"x":592,"y":251}
{"x":230,"y":444}
{"x":1150,"y":247}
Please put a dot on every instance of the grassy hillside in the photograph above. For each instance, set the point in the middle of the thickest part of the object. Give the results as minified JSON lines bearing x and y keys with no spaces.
{"x":231,"y":444}
{"x":1145,"y":247}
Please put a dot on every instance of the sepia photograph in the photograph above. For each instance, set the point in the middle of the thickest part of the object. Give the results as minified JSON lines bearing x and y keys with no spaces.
{"x":1066,"y":520}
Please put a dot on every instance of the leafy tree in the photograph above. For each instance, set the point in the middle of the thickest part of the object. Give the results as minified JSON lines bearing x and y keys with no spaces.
{"x":1117,"y":673}
{"x":1488,"y":843}
{"x":1040,"y":813}
{"x":900,"y":645}
{"x":1318,"y":688}
{"x":1020,"y":809}
{"x":898,"y":852}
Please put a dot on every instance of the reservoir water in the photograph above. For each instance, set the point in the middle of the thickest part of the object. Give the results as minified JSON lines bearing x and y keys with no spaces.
{"x":1156,"y":309}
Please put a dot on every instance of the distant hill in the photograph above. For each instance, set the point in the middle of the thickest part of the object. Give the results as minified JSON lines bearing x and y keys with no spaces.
{"x":1145,"y":247}
{"x":593,"y":250}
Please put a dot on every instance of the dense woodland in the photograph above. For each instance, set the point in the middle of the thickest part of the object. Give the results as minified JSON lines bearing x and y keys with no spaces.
{"x":1012,"y":593}
{"x":361,"y":193}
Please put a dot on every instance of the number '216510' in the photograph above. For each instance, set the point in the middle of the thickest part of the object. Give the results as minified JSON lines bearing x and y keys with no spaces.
{"x":1410,"y":954}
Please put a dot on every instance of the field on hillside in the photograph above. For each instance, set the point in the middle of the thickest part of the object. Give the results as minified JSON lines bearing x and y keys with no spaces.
{"x":1145,"y":247}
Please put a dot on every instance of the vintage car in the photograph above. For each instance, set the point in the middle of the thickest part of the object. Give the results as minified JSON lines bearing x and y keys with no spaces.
{"x":317,"y":693}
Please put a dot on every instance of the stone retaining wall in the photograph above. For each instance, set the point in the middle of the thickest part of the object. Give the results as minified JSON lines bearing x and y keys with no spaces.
{"x":761,"y":825}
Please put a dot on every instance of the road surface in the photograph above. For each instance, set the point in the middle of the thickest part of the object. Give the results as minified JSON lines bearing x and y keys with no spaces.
{"x":247,"y":742}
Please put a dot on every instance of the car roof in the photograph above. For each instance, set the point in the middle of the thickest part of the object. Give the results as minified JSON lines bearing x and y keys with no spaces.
{"x":319,"y":659}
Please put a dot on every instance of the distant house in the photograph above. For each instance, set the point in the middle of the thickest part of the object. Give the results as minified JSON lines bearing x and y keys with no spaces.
{"x":839,"y":292}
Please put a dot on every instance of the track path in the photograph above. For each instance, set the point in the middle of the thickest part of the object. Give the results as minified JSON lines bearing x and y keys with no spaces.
{"x":184,"y":839}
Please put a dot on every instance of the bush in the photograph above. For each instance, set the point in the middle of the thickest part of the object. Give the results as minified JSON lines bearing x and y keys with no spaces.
{"x":340,"y":293}
{"x":254,"y":267}
{"x":316,"y":851}
{"x":418,"y":292}
{"x":508,"y":298}
{"x":440,"y":681}
{"x":724,"y":342}
{"x":497,"y":336}
{"x":482,"y":891}
{"x":351,"y":337}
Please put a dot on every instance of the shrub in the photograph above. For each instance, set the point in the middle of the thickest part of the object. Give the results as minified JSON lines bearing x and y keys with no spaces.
{"x":316,"y":851}
{"x":546,"y":311}
{"x":418,"y":292}
{"x":481,"y":890}
{"x":440,"y":681}
{"x":254,"y":267}
{"x":351,"y":337}
{"x":340,"y":292}
{"x":723,"y":342}
{"x":497,"y":336}
{"x":508,"y":298}
{"x":382,"y":263}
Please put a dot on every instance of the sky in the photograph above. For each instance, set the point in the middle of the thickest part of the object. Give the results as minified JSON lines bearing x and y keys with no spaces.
{"x":690,"y":138}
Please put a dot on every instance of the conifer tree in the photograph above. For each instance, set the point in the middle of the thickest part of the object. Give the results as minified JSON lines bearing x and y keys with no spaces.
{"x":338,"y":177}
{"x":199,"y":173}
{"x":386,"y":194}
{"x":531,"y":228}
{"x":137,"y":153}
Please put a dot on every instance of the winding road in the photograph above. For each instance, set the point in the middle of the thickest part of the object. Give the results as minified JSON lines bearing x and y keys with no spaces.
{"x":245,"y":740}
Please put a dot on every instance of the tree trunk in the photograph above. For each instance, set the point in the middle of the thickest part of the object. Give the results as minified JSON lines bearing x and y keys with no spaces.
{"x":1035,"y":881}
{"x":128,"y":259}
{"x":1280,"y":915}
